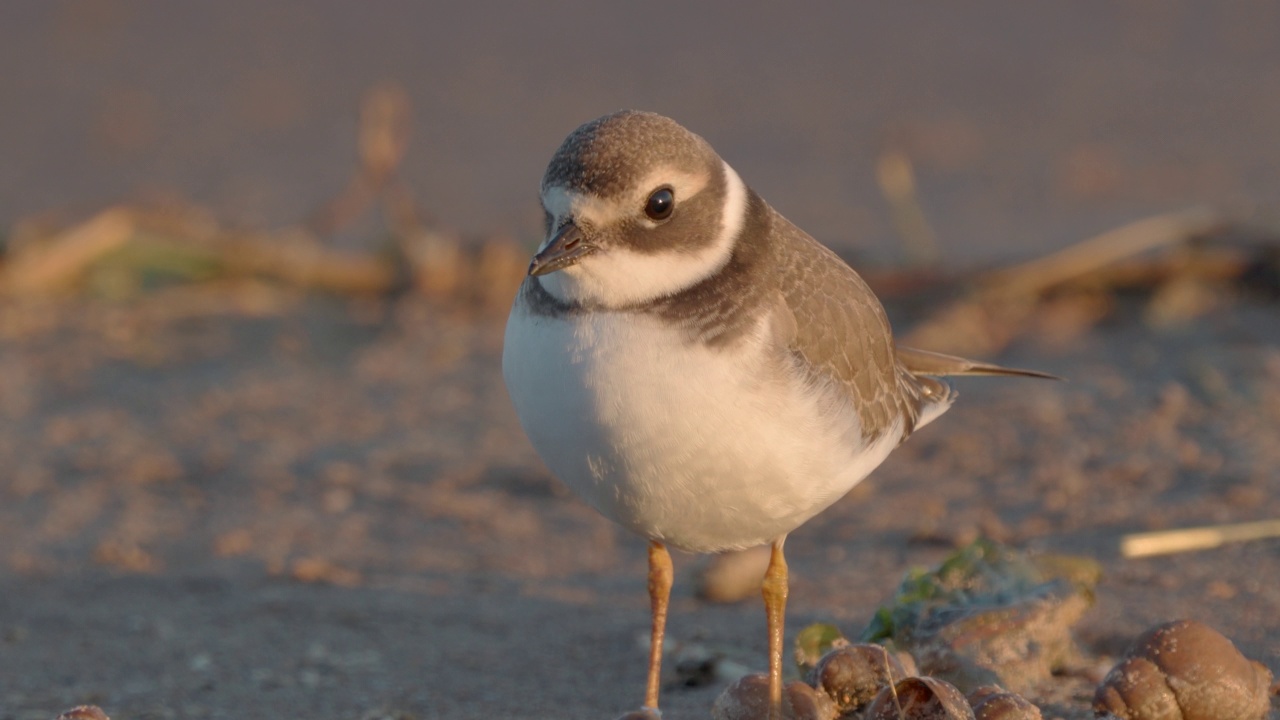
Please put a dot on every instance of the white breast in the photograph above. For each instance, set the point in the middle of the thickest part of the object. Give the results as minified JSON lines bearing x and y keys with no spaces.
{"x":703,"y":448}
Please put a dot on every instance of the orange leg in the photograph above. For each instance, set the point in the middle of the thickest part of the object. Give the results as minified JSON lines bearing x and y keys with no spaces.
{"x":774,"y":589}
{"x":660,"y":577}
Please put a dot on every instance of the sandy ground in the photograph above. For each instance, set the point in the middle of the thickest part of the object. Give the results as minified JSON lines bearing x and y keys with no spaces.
{"x":327,"y":509}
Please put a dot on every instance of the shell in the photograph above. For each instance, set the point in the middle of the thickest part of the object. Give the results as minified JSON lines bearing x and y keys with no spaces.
{"x":853,"y":675}
{"x":1184,"y":670}
{"x":920,"y":698}
{"x":990,"y":702}
{"x":748,"y":699}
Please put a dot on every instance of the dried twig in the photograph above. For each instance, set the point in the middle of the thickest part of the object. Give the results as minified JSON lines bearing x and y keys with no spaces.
{"x":1106,"y":249}
{"x":382,"y":142}
{"x":898,"y":185}
{"x":297,"y":258}
{"x":1007,"y":301}
{"x":57,"y":264}
{"x":1165,"y":542}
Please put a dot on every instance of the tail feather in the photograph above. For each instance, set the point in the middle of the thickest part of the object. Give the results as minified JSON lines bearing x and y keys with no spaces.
{"x":923,"y":362}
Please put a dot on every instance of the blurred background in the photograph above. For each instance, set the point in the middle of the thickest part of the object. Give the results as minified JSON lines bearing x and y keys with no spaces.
{"x":1029,"y":127}
{"x":255,"y":453}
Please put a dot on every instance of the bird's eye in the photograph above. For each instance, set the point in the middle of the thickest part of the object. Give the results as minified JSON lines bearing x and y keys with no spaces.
{"x":660,"y":204}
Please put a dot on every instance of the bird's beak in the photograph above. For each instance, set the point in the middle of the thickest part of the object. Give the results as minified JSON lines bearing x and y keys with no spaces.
{"x":567,"y":247}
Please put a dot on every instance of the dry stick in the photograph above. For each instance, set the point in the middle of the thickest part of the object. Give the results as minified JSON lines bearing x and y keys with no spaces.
{"x":1216,"y":264}
{"x":898,"y":185}
{"x":893,"y":684}
{"x":402,"y":210}
{"x":1036,"y":276}
{"x":343,"y":209}
{"x":296,"y":258}
{"x":989,"y":317}
{"x":1165,"y":542}
{"x":65,"y":258}
{"x":381,"y":142}
{"x":383,"y":139}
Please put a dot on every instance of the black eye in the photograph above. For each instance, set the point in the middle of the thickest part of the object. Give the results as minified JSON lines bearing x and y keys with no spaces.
{"x":660,"y":204}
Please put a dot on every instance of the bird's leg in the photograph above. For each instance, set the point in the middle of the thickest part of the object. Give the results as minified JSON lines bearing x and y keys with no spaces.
{"x":660,"y":577}
{"x":774,"y":589}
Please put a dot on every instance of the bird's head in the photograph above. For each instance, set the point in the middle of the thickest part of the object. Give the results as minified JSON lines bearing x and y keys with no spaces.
{"x":637,"y":208}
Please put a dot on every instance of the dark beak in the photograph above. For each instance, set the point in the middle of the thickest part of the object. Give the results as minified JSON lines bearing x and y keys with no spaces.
{"x":567,"y":247}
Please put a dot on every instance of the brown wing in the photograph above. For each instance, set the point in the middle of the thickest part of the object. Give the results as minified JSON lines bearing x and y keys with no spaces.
{"x":843,"y":334}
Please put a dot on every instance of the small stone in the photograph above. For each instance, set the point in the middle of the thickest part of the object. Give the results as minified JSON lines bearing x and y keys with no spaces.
{"x":734,"y":576}
{"x":989,"y":615}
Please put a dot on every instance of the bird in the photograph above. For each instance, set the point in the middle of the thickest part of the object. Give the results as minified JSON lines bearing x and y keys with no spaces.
{"x":697,"y":368}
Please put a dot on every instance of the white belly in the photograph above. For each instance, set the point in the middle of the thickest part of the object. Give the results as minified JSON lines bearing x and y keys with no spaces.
{"x":702,"y":448}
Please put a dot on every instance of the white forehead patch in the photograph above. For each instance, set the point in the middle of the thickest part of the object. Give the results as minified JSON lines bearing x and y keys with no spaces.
{"x":588,"y":209}
{"x":618,"y":277}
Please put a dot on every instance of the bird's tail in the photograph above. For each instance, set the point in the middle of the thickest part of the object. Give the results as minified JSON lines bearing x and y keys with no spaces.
{"x":923,"y":362}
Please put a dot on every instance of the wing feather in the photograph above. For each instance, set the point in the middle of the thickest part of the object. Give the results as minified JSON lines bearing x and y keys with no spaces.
{"x":843,"y":334}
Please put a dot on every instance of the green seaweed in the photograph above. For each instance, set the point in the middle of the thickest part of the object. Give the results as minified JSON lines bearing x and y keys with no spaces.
{"x":983,"y":574}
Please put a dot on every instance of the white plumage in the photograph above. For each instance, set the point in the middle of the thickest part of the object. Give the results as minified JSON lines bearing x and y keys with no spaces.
{"x":690,"y":445}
